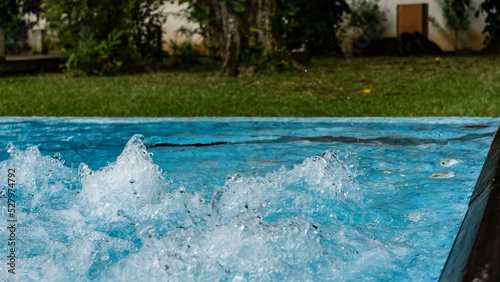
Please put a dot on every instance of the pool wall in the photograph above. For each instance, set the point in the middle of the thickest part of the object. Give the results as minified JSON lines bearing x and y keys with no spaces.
{"x":475,"y":255}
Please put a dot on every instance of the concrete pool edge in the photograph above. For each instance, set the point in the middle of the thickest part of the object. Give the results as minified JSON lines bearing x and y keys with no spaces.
{"x":475,"y":255}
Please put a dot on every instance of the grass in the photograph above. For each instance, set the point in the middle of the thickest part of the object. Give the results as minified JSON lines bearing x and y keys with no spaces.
{"x":459,"y":86}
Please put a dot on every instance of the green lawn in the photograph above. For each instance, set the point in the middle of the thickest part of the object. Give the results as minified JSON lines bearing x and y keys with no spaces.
{"x":459,"y":86}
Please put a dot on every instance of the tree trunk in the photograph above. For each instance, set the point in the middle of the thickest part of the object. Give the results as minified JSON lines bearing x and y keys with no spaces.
{"x":260,"y":23}
{"x":223,"y":27}
{"x":264,"y":21}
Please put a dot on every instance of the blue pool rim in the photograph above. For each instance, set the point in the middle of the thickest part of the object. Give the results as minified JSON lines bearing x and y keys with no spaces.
{"x":475,"y":255}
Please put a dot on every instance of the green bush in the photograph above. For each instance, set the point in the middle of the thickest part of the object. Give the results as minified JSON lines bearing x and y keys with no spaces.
{"x":183,"y":53}
{"x":312,"y":24}
{"x":365,"y":18}
{"x":95,"y":22}
{"x":492,"y":29}
{"x":92,"y":56}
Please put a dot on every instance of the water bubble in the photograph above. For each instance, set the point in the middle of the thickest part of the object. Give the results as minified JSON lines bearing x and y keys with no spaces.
{"x":450,"y":162}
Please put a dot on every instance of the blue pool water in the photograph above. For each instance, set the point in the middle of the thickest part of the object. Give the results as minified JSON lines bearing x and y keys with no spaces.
{"x":237,"y":198}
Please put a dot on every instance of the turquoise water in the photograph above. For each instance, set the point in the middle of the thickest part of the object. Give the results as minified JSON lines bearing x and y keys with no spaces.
{"x":238,"y":198}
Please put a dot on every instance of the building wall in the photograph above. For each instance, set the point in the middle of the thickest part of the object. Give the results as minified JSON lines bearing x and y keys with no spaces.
{"x":175,"y":22}
{"x":472,"y":39}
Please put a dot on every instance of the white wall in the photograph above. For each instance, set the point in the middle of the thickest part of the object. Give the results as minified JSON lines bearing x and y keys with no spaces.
{"x":472,"y":39}
{"x":174,"y":23}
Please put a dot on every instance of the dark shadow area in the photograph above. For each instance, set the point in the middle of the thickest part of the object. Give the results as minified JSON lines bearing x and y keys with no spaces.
{"x":475,"y":255}
{"x":389,"y":140}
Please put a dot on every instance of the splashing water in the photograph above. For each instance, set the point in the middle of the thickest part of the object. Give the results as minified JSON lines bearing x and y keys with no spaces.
{"x":125,"y":221}
{"x":266,"y":205}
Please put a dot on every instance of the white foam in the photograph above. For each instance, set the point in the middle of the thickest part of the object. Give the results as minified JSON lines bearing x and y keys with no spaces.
{"x":129,"y":184}
{"x":124,"y":222}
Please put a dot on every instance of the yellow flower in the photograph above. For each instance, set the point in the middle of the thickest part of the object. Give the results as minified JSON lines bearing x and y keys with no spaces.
{"x":366,"y":91}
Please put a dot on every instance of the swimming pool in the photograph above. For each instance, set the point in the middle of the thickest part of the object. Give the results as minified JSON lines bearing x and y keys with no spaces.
{"x":238,"y":198}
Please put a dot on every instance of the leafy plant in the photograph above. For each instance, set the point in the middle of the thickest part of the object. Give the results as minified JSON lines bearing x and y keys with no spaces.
{"x":183,"y":53}
{"x":144,"y":27}
{"x":92,"y":56}
{"x":242,"y":31}
{"x":312,"y":27}
{"x":13,"y":23}
{"x":365,"y":18}
{"x":139,"y":23}
{"x":492,"y":29}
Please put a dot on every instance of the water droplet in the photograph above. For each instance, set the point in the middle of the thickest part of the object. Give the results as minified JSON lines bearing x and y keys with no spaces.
{"x":10,"y":148}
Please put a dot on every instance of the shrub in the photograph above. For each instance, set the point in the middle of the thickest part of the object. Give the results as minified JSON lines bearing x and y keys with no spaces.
{"x":92,"y":56}
{"x":312,"y":24}
{"x":93,"y":23}
{"x":183,"y":53}
{"x":365,"y":18}
{"x":492,"y":29}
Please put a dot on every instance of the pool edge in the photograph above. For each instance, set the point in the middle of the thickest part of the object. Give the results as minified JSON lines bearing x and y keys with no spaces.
{"x":475,"y":254}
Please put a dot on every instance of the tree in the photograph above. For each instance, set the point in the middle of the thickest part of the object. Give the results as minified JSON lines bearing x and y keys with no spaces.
{"x":223,"y":26}
{"x":314,"y":25}
{"x":492,"y":10}
{"x":237,"y":27}
{"x":9,"y":9}
{"x":456,"y":19}
{"x":260,"y":31}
